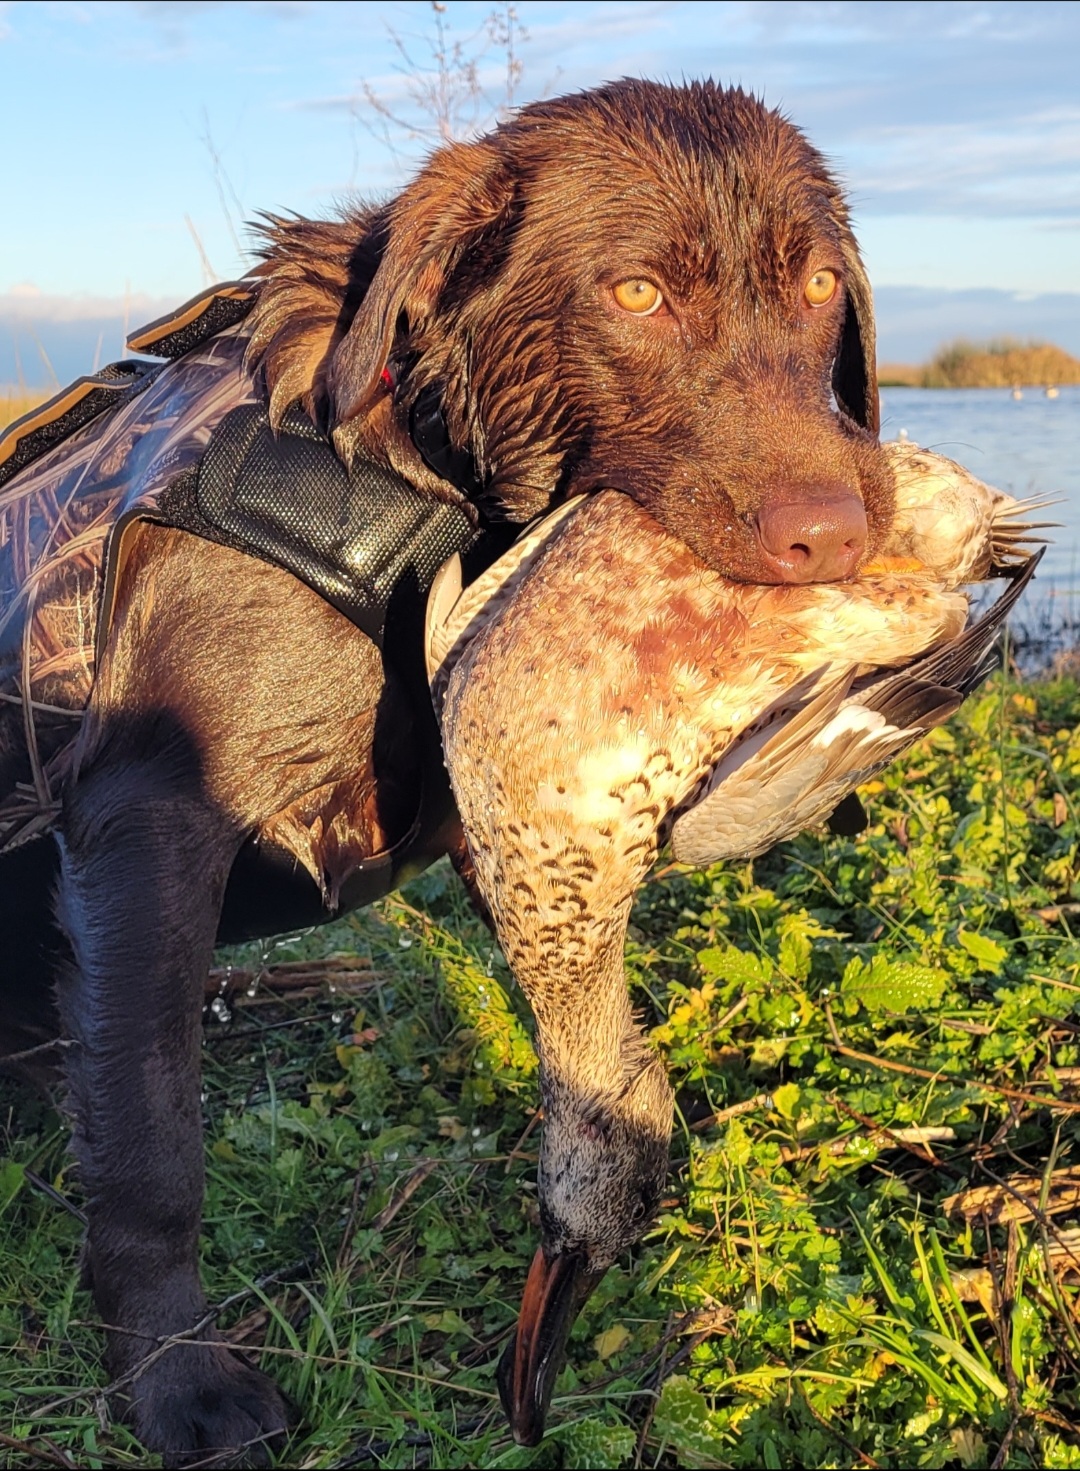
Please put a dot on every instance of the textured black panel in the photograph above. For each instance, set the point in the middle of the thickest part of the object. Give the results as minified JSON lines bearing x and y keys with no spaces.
{"x":112,"y":386}
{"x":364,"y":539}
{"x":219,"y":312}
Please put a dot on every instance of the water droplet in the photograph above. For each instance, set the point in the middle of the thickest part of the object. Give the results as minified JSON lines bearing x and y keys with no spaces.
{"x":337,"y":1017}
{"x":405,"y":941}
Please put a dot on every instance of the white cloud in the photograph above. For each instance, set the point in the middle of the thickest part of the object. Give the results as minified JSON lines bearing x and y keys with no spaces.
{"x":24,"y":303}
{"x":965,"y":107}
{"x":1029,"y":166}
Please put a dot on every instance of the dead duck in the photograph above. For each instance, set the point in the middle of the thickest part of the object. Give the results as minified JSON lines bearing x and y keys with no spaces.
{"x":591,"y":687}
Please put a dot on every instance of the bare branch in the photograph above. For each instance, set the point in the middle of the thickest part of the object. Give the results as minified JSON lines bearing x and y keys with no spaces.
{"x":453,"y":87}
{"x":223,"y":184}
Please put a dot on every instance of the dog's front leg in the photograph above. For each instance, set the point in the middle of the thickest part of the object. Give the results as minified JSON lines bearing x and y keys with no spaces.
{"x":144,"y":863}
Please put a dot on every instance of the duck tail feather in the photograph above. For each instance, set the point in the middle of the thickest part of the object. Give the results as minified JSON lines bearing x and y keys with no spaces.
{"x":1012,"y":533}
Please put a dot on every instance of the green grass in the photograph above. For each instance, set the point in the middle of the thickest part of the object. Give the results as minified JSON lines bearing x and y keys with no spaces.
{"x":858,"y":1031}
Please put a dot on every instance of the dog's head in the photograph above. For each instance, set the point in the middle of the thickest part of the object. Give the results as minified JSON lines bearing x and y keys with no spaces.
{"x":650,"y":288}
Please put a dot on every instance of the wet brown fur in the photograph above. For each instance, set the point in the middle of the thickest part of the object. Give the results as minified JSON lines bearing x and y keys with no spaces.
{"x":234,"y":713}
{"x":494,"y":282}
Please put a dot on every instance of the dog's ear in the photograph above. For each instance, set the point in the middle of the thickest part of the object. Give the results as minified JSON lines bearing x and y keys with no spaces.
{"x":854,"y":374}
{"x":461,"y":192}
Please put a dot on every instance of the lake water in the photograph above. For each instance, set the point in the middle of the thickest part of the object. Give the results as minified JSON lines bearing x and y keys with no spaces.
{"x":1029,"y":446}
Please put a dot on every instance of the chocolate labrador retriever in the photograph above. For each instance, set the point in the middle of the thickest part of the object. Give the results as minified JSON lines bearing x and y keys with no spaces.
{"x":644,"y":287}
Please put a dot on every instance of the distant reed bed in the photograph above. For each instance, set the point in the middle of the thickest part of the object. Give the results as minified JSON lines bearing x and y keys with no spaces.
{"x":1004,"y":363}
{"x":14,"y":402}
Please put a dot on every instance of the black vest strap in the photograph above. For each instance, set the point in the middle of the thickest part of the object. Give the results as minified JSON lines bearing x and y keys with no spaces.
{"x":427,"y":428}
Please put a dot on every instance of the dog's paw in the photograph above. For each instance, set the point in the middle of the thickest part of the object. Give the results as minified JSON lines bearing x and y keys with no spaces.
{"x":200,"y":1404}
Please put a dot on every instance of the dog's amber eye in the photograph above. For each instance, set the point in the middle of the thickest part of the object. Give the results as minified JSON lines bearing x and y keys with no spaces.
{"x":640,"y":297}
{"x":821,"y":288}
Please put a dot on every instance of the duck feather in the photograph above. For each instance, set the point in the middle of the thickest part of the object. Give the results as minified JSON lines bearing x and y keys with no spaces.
{"x":959,"y":529}
{"x":771,"y":786}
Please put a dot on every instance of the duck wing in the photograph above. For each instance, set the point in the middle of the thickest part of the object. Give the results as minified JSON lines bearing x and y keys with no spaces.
{"x":796,"y":778}
{"x":776,"y":783}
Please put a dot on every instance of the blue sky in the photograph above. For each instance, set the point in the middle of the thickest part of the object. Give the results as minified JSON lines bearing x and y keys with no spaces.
{"x":955,"y":125}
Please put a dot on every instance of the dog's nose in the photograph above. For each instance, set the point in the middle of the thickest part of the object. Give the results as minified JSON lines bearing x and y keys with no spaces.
{"x":819,"y":539}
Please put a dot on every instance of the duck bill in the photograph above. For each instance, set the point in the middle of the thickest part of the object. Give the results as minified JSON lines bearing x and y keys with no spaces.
{"x":555,"y":1290}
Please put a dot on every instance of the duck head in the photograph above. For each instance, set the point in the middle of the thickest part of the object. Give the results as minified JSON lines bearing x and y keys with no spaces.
{"x":603,"y":1166}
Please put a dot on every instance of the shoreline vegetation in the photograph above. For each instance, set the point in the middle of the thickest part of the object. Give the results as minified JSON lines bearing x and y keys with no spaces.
{"x":1001,"y":363}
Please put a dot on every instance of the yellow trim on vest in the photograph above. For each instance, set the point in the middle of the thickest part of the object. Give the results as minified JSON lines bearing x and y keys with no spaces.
{"x":144,"y":338}
{"x":52,"y":410}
